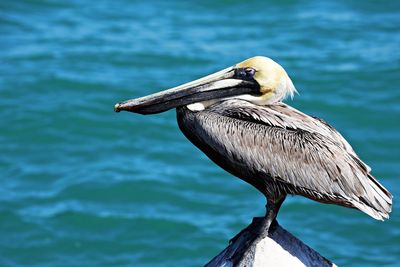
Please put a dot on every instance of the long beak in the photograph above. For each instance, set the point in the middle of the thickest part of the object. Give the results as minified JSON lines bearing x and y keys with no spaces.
{"x":218,"y":85}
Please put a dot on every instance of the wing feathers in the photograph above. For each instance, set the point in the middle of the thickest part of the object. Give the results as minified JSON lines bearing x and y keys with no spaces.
{"x":306,"y":154}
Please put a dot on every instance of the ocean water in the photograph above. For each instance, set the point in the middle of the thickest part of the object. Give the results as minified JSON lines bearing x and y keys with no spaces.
{"x":84,"y":186}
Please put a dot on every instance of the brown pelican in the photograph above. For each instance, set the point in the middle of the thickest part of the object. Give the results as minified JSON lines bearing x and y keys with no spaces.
{"x":236,"y":117}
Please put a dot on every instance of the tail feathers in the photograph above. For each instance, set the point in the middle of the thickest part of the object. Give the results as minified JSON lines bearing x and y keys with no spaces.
{"x":381,"y":191}
{"x":378,"y":203}
{"x":378,"y":215}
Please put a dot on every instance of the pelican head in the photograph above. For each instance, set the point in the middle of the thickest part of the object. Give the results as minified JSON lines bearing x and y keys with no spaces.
{"x":259,"y":80}
{"x":275,"y":84}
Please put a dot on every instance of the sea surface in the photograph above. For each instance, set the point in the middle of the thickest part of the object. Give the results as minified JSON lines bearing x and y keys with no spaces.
{"x":81,"y":185}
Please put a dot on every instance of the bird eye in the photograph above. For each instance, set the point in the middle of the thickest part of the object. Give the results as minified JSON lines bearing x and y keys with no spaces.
{"x":245,"y":73}
{"x":250,"y":72}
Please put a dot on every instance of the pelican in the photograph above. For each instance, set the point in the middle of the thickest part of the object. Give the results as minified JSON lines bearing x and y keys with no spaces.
{"x":237,"y":118}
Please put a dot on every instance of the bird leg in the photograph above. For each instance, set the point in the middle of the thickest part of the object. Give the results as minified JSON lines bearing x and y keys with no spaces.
{"x":269,"y":223}
{"x":261,"y":227}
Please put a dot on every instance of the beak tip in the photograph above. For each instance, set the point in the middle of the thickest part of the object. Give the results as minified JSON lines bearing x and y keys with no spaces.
{"x":117,"y":107}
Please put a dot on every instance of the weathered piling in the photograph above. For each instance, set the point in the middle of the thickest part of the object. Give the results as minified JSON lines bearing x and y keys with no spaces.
{"x":280,"y":248}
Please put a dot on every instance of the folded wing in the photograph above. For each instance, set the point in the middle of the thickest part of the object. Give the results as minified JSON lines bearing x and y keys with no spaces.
{"x":303,"y":154}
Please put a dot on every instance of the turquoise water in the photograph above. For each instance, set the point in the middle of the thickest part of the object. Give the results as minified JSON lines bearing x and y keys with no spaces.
{"x":84,"y":186}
